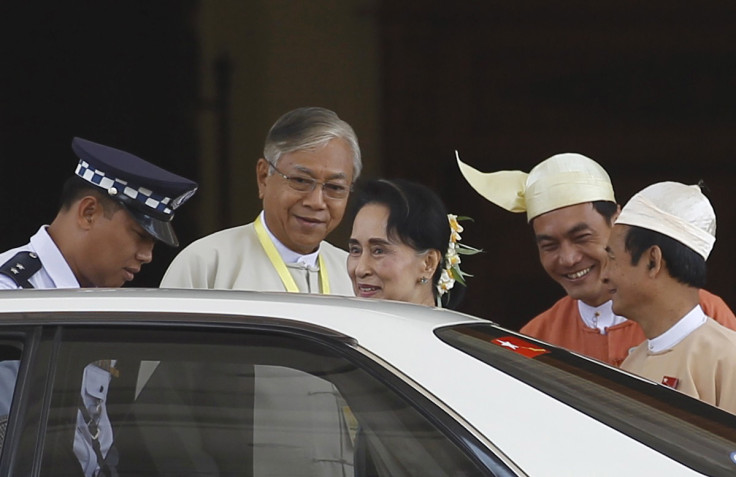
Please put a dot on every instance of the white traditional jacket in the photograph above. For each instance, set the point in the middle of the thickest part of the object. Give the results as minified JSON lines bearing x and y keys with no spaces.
{"x":234,"y":259}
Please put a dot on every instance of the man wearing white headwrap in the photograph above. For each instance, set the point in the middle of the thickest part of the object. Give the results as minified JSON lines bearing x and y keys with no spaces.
{"x":656,"y":264}
{"x":570,"y":204}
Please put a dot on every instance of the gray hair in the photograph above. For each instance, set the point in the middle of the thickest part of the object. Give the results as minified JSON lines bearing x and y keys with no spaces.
{"x":307,"y":128}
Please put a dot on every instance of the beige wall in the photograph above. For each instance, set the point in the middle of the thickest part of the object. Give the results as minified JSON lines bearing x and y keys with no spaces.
{"x":284,"y":54}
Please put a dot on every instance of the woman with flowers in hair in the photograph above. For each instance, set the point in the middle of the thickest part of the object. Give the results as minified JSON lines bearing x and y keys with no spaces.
{"x":404,"y":246}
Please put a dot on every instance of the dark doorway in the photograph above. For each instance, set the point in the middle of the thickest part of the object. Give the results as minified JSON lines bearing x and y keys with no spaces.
{"x":120,"y":73}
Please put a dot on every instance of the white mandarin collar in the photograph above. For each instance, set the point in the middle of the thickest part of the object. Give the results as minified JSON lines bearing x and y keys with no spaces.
{"x":288,"y":255}
{"x":52,"y":260}
{"x":687,"y":324}
{"x":601,"y":317}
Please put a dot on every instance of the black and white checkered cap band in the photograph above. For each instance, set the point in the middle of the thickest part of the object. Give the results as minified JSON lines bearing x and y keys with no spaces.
{"x":145,"y":196}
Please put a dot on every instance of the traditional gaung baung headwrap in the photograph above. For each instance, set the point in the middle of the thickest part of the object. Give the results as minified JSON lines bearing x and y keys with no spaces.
{"x":676,"y":210}
{"x":559,"y":181}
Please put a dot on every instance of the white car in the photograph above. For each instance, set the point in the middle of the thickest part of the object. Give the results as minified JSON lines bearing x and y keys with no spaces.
{"x":228,"y":383}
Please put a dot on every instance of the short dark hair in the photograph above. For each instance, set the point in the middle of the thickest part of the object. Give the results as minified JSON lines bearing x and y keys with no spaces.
{"x":607,"y":209}
{"x":604,"y":207}
{"x":417,"y":217}
{"x":683,"y":263}
{"x":75,"y":188}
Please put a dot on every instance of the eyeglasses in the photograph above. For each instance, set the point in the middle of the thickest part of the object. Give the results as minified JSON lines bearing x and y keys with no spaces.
{"x":332,"y":190}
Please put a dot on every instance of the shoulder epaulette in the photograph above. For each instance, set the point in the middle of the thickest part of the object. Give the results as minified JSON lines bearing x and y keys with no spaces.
{"x":21,"y":268}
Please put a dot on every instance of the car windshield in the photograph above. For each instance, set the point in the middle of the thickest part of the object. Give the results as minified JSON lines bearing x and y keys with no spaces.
{"x":689,"y":431}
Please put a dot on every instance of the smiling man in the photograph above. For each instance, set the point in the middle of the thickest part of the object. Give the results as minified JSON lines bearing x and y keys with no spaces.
{"x":310,"y":160}
{"x":657,"y":253}
{"x":570,"y":204}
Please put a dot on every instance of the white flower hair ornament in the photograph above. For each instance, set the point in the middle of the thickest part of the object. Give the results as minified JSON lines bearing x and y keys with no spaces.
{"x":452,"y":273}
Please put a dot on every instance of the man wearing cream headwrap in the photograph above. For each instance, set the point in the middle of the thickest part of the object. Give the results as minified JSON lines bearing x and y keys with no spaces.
{"x":570,"y":205}
{"x":656,"y":265}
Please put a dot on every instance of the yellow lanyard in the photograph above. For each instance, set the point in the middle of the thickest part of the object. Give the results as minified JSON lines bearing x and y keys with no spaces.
{"x":278,"y":263}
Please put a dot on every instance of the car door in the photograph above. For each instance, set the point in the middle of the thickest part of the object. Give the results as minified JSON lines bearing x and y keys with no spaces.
{"x":251,"y":399}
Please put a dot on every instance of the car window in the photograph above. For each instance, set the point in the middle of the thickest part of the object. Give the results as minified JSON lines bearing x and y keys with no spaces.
{"x":687,"y":430}
{"x":256,"y":403}
{"x":10,"y":358}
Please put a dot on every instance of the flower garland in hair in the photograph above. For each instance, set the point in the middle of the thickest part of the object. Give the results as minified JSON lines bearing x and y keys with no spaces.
{"x":452,"y":273}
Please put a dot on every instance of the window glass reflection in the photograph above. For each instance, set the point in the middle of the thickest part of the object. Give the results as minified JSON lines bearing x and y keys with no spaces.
{"x":255,"y":404}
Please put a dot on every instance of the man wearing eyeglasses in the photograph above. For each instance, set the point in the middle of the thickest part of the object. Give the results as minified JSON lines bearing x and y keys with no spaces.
{"x":311,"y":159}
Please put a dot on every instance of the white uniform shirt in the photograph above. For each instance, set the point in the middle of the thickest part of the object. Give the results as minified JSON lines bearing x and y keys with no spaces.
{"x":54,"y":273}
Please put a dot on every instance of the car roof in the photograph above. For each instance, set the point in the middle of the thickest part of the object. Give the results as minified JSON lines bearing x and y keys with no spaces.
{"x":309,"y":307}
{"x":399,"y":335}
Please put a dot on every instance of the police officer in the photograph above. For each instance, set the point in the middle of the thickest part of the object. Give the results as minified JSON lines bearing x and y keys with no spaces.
{"x":113,"y":210}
